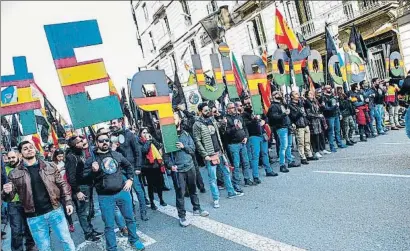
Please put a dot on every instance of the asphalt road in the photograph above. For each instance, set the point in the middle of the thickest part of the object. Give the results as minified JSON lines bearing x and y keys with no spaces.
{"x":355,"y":199}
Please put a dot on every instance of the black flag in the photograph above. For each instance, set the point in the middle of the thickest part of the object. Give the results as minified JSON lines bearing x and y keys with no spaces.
{"x":357,"y":39}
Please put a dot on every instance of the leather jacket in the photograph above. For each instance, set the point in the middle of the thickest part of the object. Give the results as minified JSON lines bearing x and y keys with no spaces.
{"x":54,"y":183}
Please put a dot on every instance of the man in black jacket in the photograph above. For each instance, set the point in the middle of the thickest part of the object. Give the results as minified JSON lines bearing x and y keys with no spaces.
{"x":81,"y":189}
{"x":280,"y":122}
{"x":236,"y":137}
{"x":298,"y":117}
{"x":129,"y":147}
{"x":104,"y":168}
{"x":257,"y":142}
{"x":380,"y":93}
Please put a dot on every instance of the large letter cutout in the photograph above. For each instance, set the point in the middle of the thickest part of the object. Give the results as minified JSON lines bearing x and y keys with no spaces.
{"x":352,"y":76}
{"x":332,"y":61}
{"x":75,"y":76}
{"x":298,"y":57}
{"x":398,"y":71}
{"x":281,"y":79}
{"x":16,"y":96}
{"x":228,"y":72}
{"x":315,"y":71}
{"x":255,"y":81}
{"x":161,"y":103}
{"x":208,"y":92}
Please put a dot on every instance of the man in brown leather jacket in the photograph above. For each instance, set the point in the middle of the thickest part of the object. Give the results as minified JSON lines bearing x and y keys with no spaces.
{"x":39,"y":186}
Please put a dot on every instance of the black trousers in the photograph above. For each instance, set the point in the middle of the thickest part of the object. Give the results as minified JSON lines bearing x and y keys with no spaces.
{"x":19,"y":228}
{"x":315,"y":142}
{"x":199,"y":181}
{"x":155,"y":182}
{"x":183,"y":180}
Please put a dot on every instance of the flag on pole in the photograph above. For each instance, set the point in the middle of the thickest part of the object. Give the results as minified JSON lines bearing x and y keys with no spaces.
{"x":284,"y":34}
{"x":357,"y":39}
{"x":37,"y":143}
{"x":113,"y":90}
{"x":265,"y":58}
{"x":240,"y":80}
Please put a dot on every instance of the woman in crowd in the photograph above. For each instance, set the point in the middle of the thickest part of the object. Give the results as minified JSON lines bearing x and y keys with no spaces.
{"x":58,"y":159}
{"x":314,"y":116}
{"x":152,"y":167}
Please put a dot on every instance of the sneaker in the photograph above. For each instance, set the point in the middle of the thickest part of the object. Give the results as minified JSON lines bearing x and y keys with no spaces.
{"x":235,"y":195}
{"x":342,"y":146}
{"x":96,"y":233}
{"x":326,"y":152}
{"x":184,"y":222}
{"x":124,"y":231}
{"x":238,"y":190}
{"x":202,"y":190}
{"x":318,"y":155}
{"x":271,"y":174}
{"x":221,"y":187}
{"x":283,"y":169}
{"x":201,"y":213}
{"x":138,"y":246}
{"x":91,"y":237}
{"x":257,"y":180}
{"x":249,"y":182}
{"x":162,"y":203}
{"x":293,"y":164}
{"x":216,"y":204}
{"x":312,"y":158}
{"x":153,"y":206}
{"x":144,"y":216}
{"x":304,"y":162}
{"x":71,"y":228}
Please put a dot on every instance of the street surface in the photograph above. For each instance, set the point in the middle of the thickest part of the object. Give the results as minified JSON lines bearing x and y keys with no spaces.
{"x":355,"y":199}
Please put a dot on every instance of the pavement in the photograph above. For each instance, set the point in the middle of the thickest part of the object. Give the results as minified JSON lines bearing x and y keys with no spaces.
{"x":355,"y":199}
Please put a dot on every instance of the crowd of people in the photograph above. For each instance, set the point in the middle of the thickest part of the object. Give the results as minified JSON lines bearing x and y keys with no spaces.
{"x":42,"y":192}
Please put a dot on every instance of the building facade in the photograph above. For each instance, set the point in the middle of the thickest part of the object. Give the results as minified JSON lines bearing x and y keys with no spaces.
{"x":170,"y":32}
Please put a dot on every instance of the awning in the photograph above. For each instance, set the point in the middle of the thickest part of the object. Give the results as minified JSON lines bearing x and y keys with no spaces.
{"x":383,"y":29}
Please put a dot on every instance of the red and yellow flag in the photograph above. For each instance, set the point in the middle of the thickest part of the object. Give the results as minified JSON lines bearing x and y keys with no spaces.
{"x":113,"y":90}
{"x":284,"y":34}
{"x":37,"y":143}
{"x":265,"y":58}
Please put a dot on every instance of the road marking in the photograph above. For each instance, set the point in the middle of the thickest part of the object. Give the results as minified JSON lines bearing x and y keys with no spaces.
{"x":367,"y":174}
{"x":122,"y":242}
{"x":355,"y":158}
{"x":237,"y":235}
{"x":396,"y":143}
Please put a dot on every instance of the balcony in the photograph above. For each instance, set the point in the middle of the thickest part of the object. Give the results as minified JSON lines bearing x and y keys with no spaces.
{"x":342,"y":14}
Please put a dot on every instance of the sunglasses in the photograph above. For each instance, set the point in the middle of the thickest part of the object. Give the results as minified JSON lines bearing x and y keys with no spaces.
{"x":103,"y":141}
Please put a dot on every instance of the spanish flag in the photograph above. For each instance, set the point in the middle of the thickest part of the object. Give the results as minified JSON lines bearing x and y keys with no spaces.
{"x":284,"y":34}
{"x":113,"y":90}
{"x":265,"y":58}
{"x":37,"y":143}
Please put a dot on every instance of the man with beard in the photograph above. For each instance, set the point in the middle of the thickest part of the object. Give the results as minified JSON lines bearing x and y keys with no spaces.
{"x":208,"y":141}
{"x":81,"y":189}
{"x":39,"y":186}
{"x":183,"y":173}
{"x":279,"y":120}
{"x":104,"y":168}
{"x":257,"y":143}
{"x":298,"y":118}
{"x":379,"y":105}
{"x":18,"y":223}
{"x":237,"y":137}
{"x":129,"y":147}
{"x":331,"y":112}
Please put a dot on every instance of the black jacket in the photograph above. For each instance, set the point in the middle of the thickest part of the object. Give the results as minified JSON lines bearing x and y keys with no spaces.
{"x":235,"y":134}
{"x":107,"y":183}
{"x":330,"y":109}
{"x":74,"y":166}
{"x":379,"y":98}
{"x":252,"y":124}
{"x":297,"y":115}
{"x":131,"y":150}
{"x":277,"y":118}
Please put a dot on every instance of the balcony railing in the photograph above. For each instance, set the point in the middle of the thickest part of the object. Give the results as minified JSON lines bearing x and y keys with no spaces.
{"x":340,"y":14}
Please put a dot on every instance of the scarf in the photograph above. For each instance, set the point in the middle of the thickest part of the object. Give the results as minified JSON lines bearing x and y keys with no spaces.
{"x":153,"y":153}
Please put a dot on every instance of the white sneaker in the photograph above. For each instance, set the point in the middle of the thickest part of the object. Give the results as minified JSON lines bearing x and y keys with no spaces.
{"x":326,"y":152}
{"x":318,"y":155}
{"x":216,"y":204}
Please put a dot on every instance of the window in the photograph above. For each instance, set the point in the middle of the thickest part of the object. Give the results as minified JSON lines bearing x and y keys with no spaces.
{"x":256,"y":33}
{"x":187,"y":14}
{"x":144,"y":8}
{"x":153,"y":48}
{"x":212,"y":7}
{"x":192,"y":47}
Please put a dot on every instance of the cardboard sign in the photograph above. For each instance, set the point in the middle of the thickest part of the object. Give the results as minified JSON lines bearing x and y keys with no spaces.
{"x":75,"y":76}
{"x":16,"y":96}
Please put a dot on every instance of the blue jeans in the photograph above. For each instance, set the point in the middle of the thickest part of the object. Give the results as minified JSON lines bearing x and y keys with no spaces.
{"x":239,"y":155}
{"x":40,"y":229}
{"x":285,"y":145}
{"x":256,"y":146}
{"x":212,"y":178}
{"x":372,"y":116}
{"x":118,"y":218}
{"x":136,"y":184}
{"x":334,"y":127}
{"x":379,"y":116}
{"x":107,"y":206}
